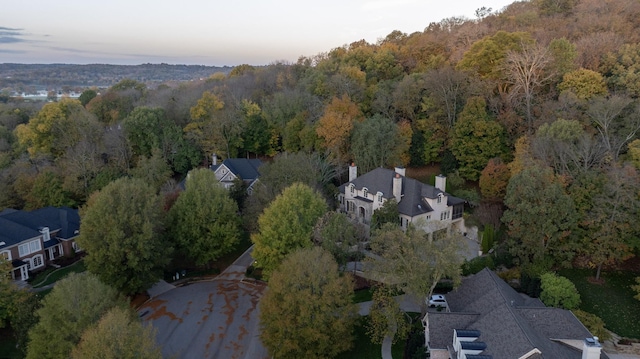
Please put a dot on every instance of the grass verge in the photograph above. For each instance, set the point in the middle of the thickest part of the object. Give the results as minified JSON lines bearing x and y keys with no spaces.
{"x":58,"y":274}
{"x":612,"y":301}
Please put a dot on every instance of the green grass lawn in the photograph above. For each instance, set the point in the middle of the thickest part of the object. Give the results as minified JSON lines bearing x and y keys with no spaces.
{"x":364,"y":349}
{"x":58,"y":274}
{"x":362,"y":295}
{"x":8,"y":347}
{"x":612,"y":301}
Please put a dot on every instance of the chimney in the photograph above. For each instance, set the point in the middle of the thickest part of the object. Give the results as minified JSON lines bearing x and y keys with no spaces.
{"x":401,"y":171}
{"x":214,"y":159}
{"x":353,"y":172}
{"x":441,"y":183}
{"x":591,"y":348}
{"x":397,"y":187}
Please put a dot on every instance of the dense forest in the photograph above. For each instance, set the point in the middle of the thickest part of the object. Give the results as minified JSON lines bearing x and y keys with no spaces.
{"x":531,"y":111}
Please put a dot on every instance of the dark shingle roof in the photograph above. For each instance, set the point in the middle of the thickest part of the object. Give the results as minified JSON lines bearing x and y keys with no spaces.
{"x":247,"y":169}
{"x":510,"y":324}
{"x":17,"y":226}
{"x":64,"y":218}
{"x":412,"y":202}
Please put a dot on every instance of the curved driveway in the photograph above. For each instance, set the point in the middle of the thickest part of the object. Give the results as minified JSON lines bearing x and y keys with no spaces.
{"x":212,"y":319}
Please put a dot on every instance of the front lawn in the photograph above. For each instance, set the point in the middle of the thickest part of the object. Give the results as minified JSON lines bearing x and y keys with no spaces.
{"x":612,"y":301}
{"x":49,"y":277}
{"x":364,"y":349}
{"x":8,"y":347}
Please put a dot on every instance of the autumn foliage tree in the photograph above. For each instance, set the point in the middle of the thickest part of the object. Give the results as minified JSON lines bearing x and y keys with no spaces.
{"x":336,"y":124}
{"x":494,"y":179}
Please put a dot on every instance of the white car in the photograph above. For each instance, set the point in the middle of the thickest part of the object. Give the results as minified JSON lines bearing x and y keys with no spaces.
{"x":437,"y":300}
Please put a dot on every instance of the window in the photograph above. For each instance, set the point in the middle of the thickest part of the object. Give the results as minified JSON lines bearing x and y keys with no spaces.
{"x":352,"y":188}
{"x":365,"y":192}
{"x":444,"y":215}
{"x":36,"y":261}
{"x":6,"y":255}
{"x":75,"y":247}
{"x":439,"y":197}
{"x":29,"y":247}
{"x":380,"y":197}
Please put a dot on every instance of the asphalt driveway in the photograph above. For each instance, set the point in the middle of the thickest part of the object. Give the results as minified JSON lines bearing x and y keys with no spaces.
{"x":212,"y":319}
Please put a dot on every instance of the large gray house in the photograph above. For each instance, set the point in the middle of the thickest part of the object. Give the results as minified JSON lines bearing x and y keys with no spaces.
{"x":429,"y":207}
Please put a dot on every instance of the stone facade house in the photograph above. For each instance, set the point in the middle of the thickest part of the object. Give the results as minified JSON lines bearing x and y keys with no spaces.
{"x":429,"y":207}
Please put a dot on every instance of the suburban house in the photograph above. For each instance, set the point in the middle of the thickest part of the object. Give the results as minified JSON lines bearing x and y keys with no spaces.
{"x":30,"y":240}
{"x":233,"y":168}
{"x":418,"y":203}
{"x":488,"y":319}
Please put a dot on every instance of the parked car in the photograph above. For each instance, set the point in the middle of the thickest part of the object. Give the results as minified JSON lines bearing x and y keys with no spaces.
{"x":437,"y":300}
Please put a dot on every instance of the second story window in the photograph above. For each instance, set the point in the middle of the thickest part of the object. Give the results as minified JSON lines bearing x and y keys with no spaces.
{"x":365,"y":192}
{"x":352,"y":188}
{"x":379,"y":197}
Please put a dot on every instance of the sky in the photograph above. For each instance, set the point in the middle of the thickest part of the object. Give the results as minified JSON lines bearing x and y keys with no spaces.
{"x":208,"y":32}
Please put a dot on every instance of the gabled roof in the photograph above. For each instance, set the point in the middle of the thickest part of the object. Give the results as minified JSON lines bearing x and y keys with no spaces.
{"x":65,"y":218}
{"x":17,"y":226}
{"x":510,"y":323}
{"x":245,"y":168}
{"x":413,"y":192}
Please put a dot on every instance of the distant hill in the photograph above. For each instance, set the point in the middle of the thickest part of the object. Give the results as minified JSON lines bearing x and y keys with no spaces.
{"x":48,"y":76}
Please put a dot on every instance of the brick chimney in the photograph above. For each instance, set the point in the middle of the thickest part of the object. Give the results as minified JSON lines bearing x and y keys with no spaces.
{"x":353,"y":172}
{"x":591,"y":348}
{"x":397,"y":187}
{"x":441,"y":183}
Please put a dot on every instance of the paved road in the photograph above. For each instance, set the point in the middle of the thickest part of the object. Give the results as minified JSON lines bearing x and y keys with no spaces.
{"x":212,"y":319}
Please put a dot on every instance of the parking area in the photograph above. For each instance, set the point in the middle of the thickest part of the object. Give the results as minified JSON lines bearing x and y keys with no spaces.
{"x":211,"y":319}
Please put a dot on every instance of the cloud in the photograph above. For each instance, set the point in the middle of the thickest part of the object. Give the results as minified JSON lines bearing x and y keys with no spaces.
{"x":5,"y":51}
{"x":10,"y":35}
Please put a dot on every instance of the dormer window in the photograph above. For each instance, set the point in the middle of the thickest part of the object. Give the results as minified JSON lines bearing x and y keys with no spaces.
{"x":365,"y":192}
{"x":380,"y":197}
{"x":45,"y":234}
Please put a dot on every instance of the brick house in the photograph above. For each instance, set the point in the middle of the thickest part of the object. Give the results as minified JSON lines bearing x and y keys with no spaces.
{"x":31,"y":240}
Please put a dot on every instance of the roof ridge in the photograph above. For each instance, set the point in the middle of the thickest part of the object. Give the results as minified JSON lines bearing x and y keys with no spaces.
{"x":510,"y":307}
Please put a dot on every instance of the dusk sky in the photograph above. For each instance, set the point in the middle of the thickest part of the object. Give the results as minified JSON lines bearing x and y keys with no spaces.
{"x":212,"y":32}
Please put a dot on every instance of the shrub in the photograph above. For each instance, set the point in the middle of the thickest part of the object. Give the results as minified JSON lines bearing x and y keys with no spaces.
{"x":488,"y":237}
{"x":594,"y":323}
{"x":477,"y":264}
{"x":558,"y":291}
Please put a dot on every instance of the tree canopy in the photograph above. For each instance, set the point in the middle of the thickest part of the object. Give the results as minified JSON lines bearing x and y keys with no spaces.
{"x":204,"y":222}
{"x":118,"y":334}
{"x":122,"y":232}
{"x":75,"y":304}
{"x":415,"y":261}
{"x":286,"y":225}
{"x":307,"y":311}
